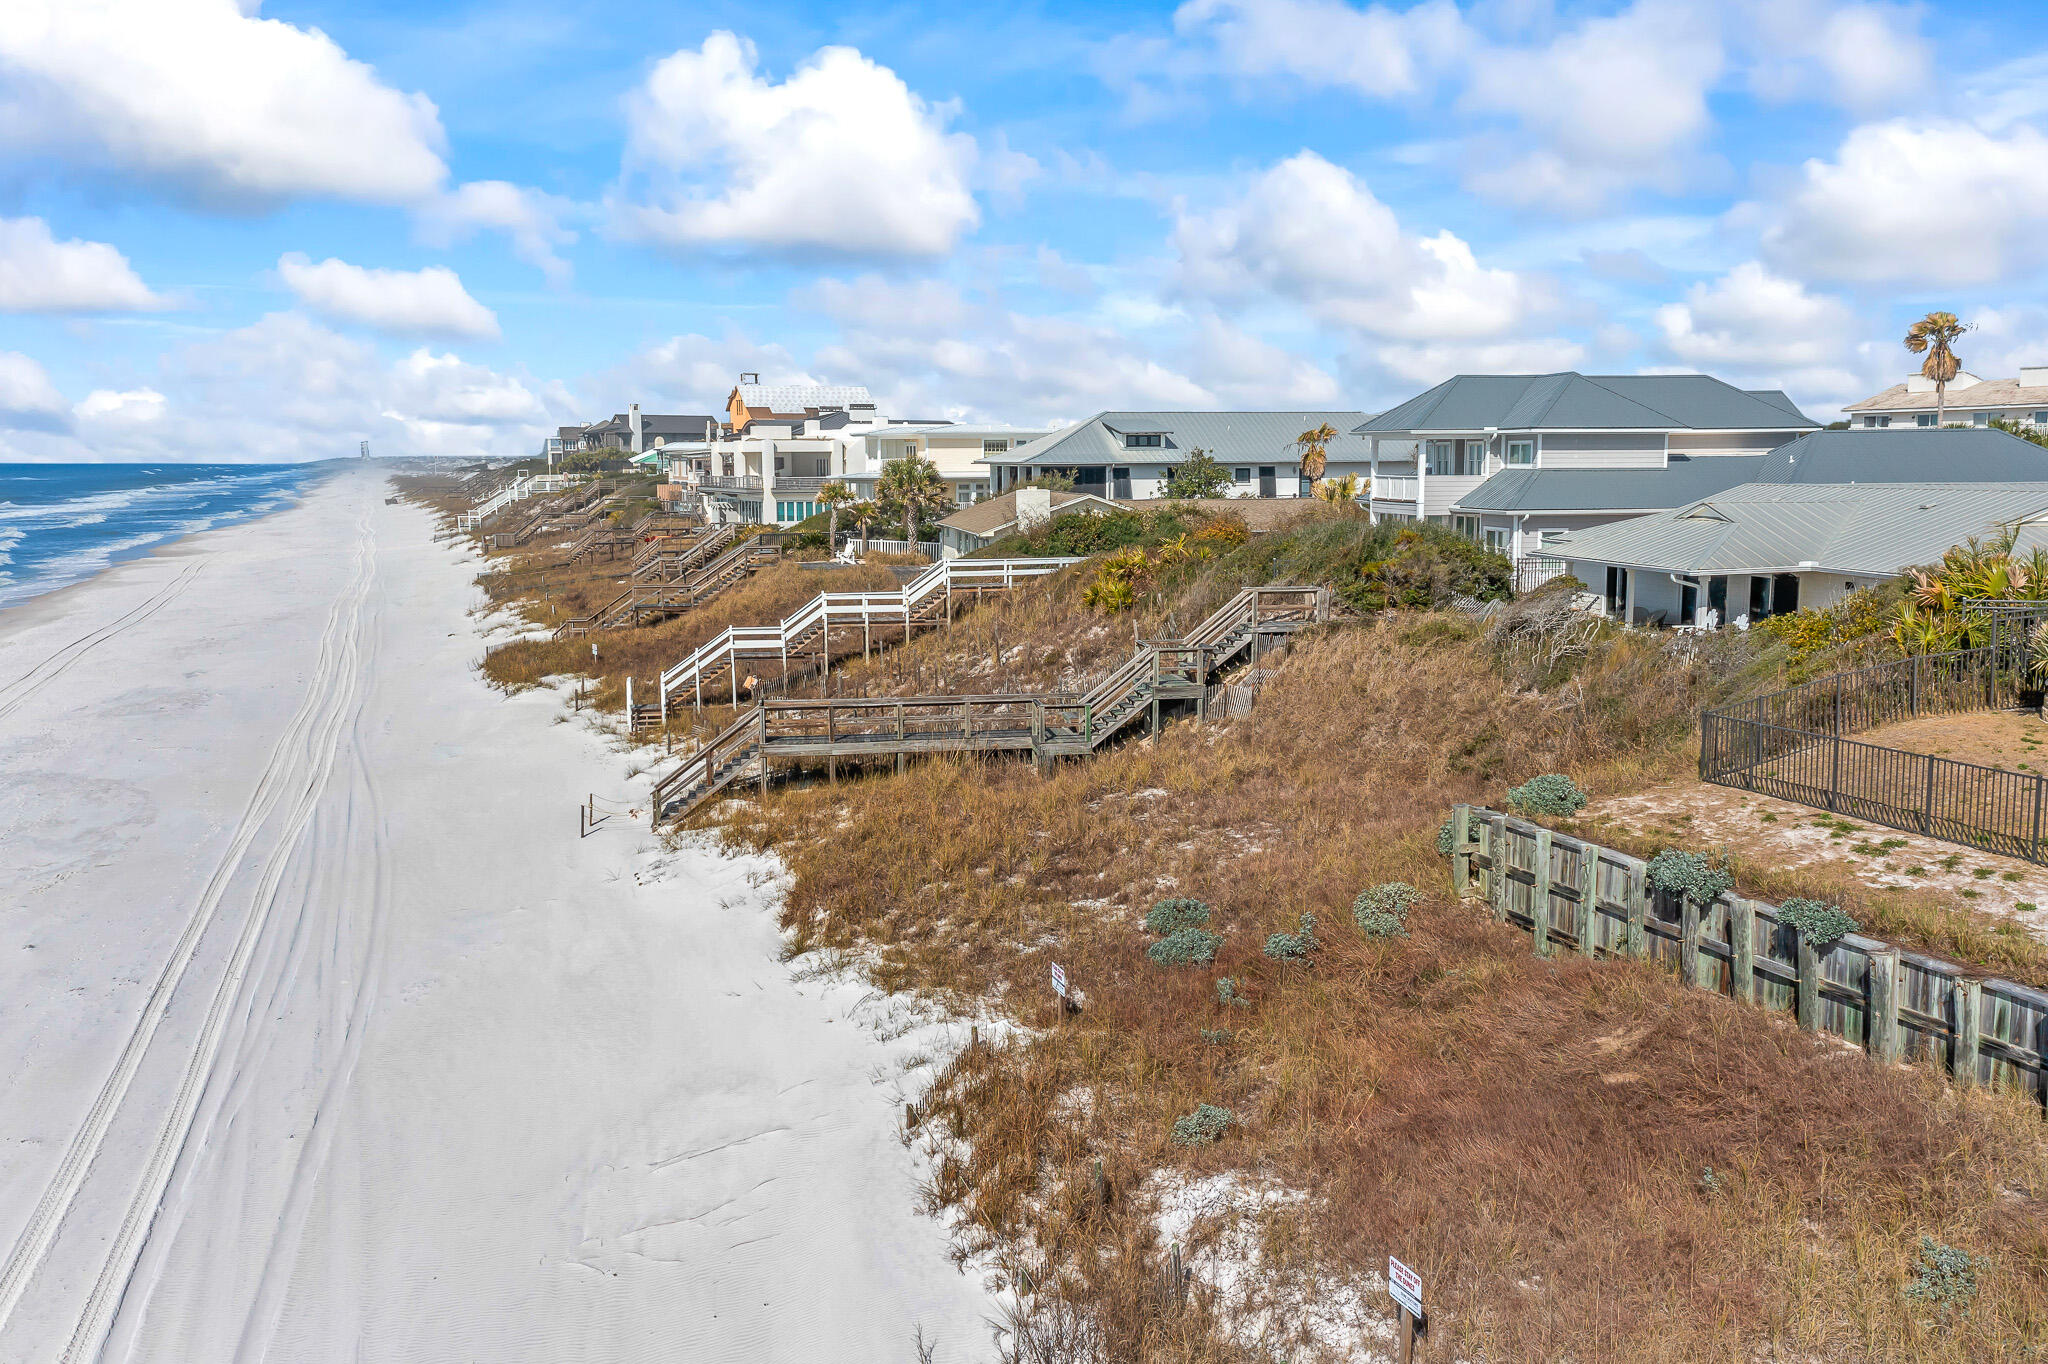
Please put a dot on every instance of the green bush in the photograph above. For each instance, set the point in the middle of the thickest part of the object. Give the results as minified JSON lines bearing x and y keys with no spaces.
{"x":1444,"y":835}
{"x":1818,"y":923}
{"x":1171,"y":916}
{"x":1294,"y":946}
{"x":1188,"y":947}
{"x":1684,"y":873}
{"x":1218,"y":1037}
{"x":1202,"y":1126}
{"x":1226,"y":993}
{"x":1382,"y":911}
{"x":1553,"y":793}
{"x":1945,"y":1278}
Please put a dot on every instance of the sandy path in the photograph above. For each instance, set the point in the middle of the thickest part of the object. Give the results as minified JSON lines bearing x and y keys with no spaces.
{"x":323,"y":1036}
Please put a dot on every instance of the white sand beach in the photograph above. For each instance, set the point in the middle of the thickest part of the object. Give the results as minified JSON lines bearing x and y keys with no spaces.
{"x":323,"y":1036}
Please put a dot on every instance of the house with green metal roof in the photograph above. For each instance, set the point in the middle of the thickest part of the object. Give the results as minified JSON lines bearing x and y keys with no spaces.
{"x":1428,"y":454}
{"x":1763,"y":549}
{"x":1130,"y":455}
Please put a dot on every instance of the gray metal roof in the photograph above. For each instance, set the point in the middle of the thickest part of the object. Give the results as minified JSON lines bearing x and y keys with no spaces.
{"x":1581,"y":402}
{"x":1910,"y":455}
{"x":1229,"y":437}
{"x":1961,"y":455}
{"x":1854,"y":528}
{"x":1611,"y":490}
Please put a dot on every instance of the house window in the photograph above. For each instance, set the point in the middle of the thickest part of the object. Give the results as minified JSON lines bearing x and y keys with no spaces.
{"x":1984,"y":418}
{"x":1521,"y":452}
{"x":2041,"y":419}
{"x":1923,"y":419}
{"x":1142,"y":440}
{"x":1441,"y":454}
{"x":1497,"y":539}
{"x":995,"y":447}
{"x":1241,"y":475}
{"x":1467,"y":526}
{"x":1120,"y":484}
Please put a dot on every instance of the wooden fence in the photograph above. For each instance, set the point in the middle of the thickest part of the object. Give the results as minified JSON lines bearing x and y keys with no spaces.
{"x":1578,"y":897}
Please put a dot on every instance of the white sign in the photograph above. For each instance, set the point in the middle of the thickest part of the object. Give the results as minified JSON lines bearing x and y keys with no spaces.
{"x":1406,"y":1286}
{"x":1059,"y":981}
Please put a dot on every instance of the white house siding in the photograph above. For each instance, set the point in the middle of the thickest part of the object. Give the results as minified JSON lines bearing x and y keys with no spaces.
{"x":1439,"y":491}
{"x":1728,"y":442}
{"x":1601,"y":450}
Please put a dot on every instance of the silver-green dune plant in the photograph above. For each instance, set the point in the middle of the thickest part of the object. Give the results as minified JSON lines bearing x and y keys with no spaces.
{"x":1382,"y":911}
{"x":1203,"y":1126}
{"x":1945,"y":1278}
{"x":1817,"y":922}
{"x":1171,"y":916}
{"x":1188,"y":947}
{"x":1685,"y":873}
{"x":1553,"y":793}
{"x":1297,"y":946}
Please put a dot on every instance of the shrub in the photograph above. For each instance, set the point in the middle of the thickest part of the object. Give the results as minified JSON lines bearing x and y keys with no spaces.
{"x":1171,"y":916}
{"x":1218,"y":1037}
{"x":1294,"y":946}
{"x":1226,"y":993}
{"x":1945,"y":1278}
{"x":1382,"y":911}
{"x":1202,"y":1126}
{"x":1694,"y":874}
{"x":1818,"y":923}
{"x":1188,"y":947}
{"x":1444,"y":835}
{"x":1553,"y":793}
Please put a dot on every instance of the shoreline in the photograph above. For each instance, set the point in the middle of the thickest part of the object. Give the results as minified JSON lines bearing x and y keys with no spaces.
{"x":436,"y":1078}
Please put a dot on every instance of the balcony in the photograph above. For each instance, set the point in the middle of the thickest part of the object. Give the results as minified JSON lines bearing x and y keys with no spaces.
{"x":1396,"y":489}
{"x":730,"y":483}
{"x":801,"y":485}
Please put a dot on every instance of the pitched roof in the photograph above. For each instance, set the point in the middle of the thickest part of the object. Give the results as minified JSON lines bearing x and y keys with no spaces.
{"x":1611,"y":490}
{"x":1860,"y":528}
{"x":1229,"y":437}
{"x":794,"y":398}
{"x":992,"y":515}
{"x":1907,"y":455}
{"x":1581,"y":402}
{"x":670,"y":424}
{"x":1901,"y":397}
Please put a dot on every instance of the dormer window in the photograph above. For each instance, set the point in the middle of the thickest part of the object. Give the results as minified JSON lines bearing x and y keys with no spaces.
{"x":1143,"y":440}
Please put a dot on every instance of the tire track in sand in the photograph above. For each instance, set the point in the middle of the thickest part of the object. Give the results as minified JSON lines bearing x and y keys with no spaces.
{"x":281,"y":770}
{"x":59,"y":662}
{"x":339,"y":684}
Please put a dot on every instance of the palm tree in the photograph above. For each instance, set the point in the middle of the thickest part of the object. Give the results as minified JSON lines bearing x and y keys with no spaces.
{"x":912,"y":486}
{"x":832,"y":497}
{"x":864,"y":514}
{"x":1935,"y":336}
{"x":1315,"y":451}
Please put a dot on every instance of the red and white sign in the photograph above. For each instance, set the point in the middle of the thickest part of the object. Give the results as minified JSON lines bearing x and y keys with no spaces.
{"x":1406,"y":1286}
{"x":1059,"y":980}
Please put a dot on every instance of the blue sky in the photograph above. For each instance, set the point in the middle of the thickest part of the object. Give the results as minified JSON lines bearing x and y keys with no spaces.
{"x":232,"y":232}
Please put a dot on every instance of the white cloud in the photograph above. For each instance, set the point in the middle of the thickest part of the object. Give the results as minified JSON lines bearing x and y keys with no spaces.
{"x":39,"y":274}
{"x":1376,"y":51}
{"x":530,"y":218}
{"x":1761,"y":328}
{"x":28,"y":400}
{"x":1864,"y":56}
{"x":446,"y":388}
{"x":841,"y":157}
{"x":1314,"y":234}
{"x":1915,"y":202}
{"x":208,"y":97}
{"x":417,"y":302}
{"x":1601,"y":108}
{"x":127,"y":406}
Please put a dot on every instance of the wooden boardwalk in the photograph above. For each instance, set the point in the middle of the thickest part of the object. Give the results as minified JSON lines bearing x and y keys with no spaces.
{"x":1171,"y":673}
{"x":646,"y":602}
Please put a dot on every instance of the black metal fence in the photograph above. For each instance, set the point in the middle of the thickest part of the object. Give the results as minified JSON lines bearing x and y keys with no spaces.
{"x":1793,"y":745}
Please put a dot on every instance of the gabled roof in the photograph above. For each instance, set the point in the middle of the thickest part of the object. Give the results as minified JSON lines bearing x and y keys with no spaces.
{"x":1581,"y":402}
{"x":1857,"y":528}
{"x":670,"y":424}
{"x":1229,"y":437}
{"x":794,"y":398}
{"x":991,"y":516}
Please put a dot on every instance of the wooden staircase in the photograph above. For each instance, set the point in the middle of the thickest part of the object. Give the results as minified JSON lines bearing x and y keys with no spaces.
{"x":677,"y":557}
{"x":645,"y":602}
{"x":1046,"y":725}
{"x":871,"y":618}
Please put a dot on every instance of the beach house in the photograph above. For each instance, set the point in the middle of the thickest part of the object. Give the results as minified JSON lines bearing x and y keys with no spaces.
{"x":1130,"y":455}
{"x":1569,"y":450}
{"x":1969,"y":401}
{"x":956,"y":449}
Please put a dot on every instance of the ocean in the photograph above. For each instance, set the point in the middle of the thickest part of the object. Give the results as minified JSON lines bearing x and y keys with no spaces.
{"x":63,"y":523}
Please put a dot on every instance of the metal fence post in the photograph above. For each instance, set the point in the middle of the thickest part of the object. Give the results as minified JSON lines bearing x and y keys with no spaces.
{"x":1927,"y":806}
{"x":2035,"y":855}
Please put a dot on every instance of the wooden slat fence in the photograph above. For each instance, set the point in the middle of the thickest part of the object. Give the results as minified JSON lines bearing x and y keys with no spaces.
{"x":1578,"y":897}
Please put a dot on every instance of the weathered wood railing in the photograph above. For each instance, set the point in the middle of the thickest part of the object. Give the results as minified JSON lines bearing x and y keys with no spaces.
{"x":1578,"y":897}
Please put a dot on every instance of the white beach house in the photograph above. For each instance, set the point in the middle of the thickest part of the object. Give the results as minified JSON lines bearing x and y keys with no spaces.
{"x":1130,"y":455}
{"x":1970,"y":401}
